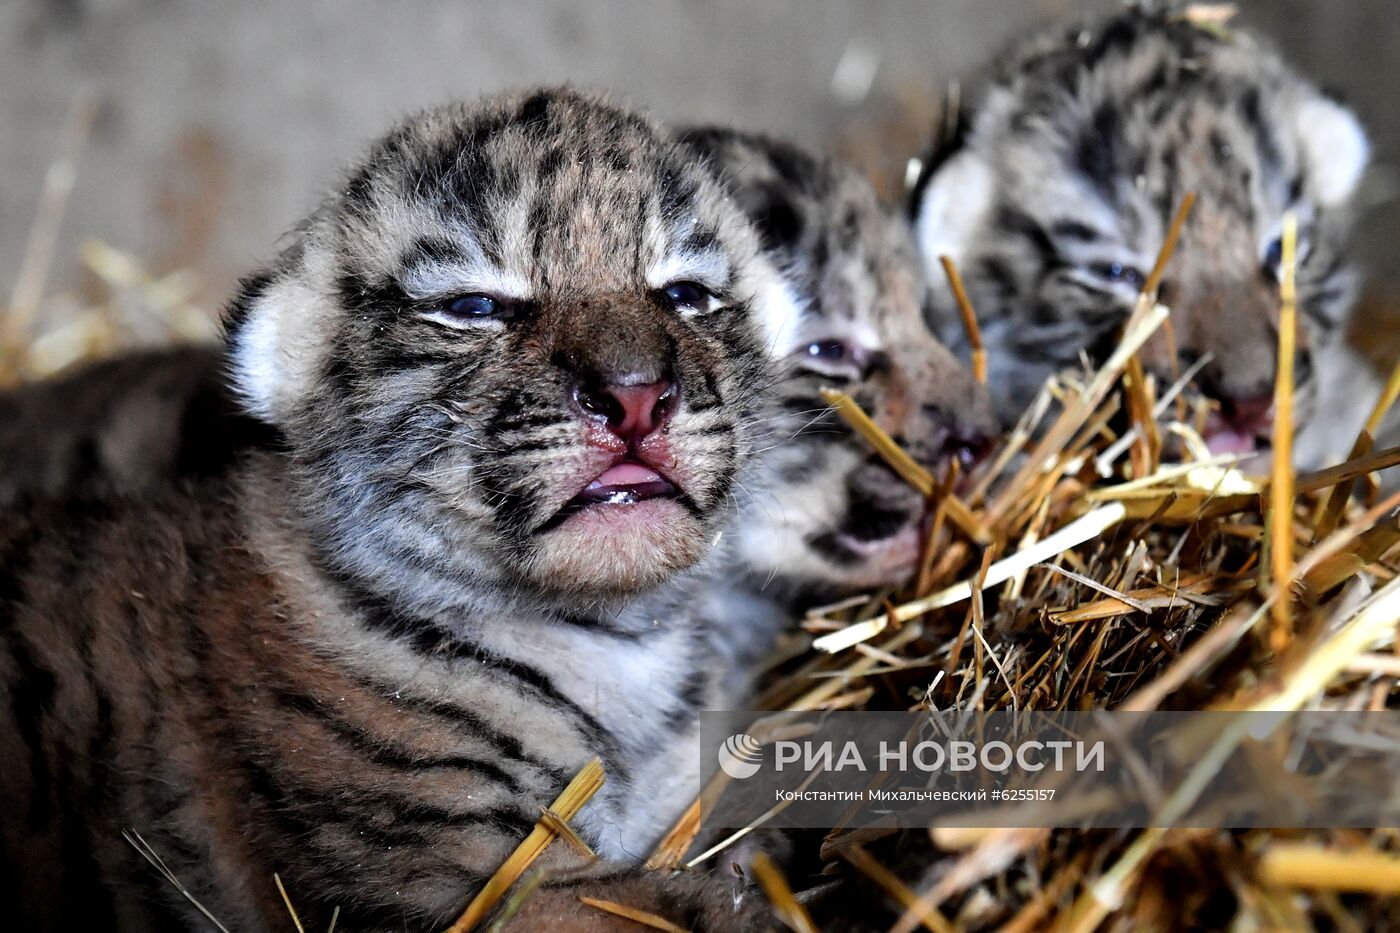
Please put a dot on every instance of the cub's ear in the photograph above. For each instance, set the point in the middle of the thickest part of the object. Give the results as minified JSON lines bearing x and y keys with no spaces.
{"x":951,"y":205}
{"x":778,"y":307}
{"x":1334,"y":146}
{"x":273,"y":334}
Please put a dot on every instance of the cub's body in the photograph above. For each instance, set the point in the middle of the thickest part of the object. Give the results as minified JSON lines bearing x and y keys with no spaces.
{"x":497,"y":433}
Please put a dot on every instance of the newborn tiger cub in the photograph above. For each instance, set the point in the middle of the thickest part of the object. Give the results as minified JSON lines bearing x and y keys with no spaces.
{"x":515,"y":368}
{"x":1059,"y":193}
{"x":828,"y":516}
{"x":828,"y":520}
{"x":831,"y":518}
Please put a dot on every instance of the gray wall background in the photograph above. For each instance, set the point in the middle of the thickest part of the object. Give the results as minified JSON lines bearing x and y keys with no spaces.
{"x":219,"y":122}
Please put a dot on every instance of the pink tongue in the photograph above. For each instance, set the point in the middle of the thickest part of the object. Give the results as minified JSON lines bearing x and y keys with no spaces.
{"x":626,"y":474}
{"x":1231,"y":442}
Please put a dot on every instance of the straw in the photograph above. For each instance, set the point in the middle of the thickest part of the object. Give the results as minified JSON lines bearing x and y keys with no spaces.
{"x":296,"y":921}
{"x":1336,"y":502}
{"x":780,"y":895}
{"x":566,"y":806}
{"x":1281,"y":487}
{"x":636,"y":915}
{"x":930,"y":917}
{"x":1074,"y":534}
{"x":28,"y":292}
{"x":969,"y":318}
{"x":903,"y":464}
{"x":149,"y":854}
{"x":1304,"y":865}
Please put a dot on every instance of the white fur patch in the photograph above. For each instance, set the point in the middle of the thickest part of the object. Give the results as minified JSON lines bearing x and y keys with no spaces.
{"x":1335,"y":147}
{"x":952,"y":206}
{"x":255,"y":369}
{"x":445,"y":281}
{"x":710,"y":269}
{"x":779,"y":314}
{"x":274,"y":352}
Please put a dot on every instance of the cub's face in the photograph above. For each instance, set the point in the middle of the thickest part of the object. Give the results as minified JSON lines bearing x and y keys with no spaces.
{"x":523,"y":345}
{"x":1061,"y":196}
{"x":830,"y":515}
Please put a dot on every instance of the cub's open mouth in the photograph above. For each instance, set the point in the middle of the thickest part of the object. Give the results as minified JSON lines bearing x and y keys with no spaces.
{"x":623,"y":484}
{"x":1249,"y":440}
{"x":1234,"y":442}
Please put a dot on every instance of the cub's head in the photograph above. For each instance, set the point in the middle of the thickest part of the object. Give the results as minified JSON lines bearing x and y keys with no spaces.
{"x":522,"y":346}
{"x":830,"y":515}
{"x":1058,"y":197}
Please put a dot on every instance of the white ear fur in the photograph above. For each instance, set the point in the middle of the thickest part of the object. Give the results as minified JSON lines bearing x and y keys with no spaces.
{"x":1334,"y":146}
{"x":953,"y":203}
{"x":779,"y":312}
{"x":276,"y":350}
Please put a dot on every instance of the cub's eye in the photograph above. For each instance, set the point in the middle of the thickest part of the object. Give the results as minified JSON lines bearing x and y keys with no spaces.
{"x":469,"y":310}
{"x":690,"y":295}
{"x":830,"y":351}
{"x":472,"y":307}
{"x":1120,"y":273}
{"x":832,"y":358}
{"x":1273,"y":257}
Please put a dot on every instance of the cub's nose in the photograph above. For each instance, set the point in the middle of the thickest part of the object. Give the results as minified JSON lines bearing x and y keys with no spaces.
{"x":967,"y":447}
{"x":629,"y":410}
{"x":966,"y":440}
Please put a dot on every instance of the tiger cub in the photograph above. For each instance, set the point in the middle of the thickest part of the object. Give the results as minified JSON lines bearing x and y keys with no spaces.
{"x":515,"y":366}
{"x":827,"y":516}
{"x":831,"y":517}
{"x":1057,"y":196}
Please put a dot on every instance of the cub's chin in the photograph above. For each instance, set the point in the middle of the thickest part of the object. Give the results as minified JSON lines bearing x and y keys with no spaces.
{"x":617,"y":548}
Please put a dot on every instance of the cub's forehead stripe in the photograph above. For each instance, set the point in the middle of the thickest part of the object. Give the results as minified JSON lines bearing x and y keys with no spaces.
{"x":436,"y":281}
{"x":710,"y":268}
{"x":437,"y":268}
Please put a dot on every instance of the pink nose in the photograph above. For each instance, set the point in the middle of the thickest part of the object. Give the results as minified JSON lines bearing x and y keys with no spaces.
{"x":630,"y":411}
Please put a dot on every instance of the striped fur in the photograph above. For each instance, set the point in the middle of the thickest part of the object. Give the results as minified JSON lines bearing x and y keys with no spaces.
{"x":832,"y":517}
{"x":123,"y":425}
{"x":829,"y":517}
{"x":849,"y":274}
{"x":824,"y":518}
{"x":365,"y":656}
{"x":1057,"y":196}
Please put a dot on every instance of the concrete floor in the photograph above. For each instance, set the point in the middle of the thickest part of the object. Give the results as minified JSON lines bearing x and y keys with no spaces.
{"x":218,"y":123}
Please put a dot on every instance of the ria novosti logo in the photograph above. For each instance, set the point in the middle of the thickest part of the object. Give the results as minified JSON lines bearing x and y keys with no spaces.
{"x":740,"y":756}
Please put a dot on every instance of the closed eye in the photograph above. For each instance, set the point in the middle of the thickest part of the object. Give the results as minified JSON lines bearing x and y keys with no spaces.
{"x":832,"y":358}
{"x":1273,"y":256}
{"x":1119,"y":273}
{"x":688,"y":296}
{"x":471,"y":310}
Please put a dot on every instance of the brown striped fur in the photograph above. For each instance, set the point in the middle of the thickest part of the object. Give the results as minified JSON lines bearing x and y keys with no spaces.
{"x":829,"y":518}
{"x":366,"y":655}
